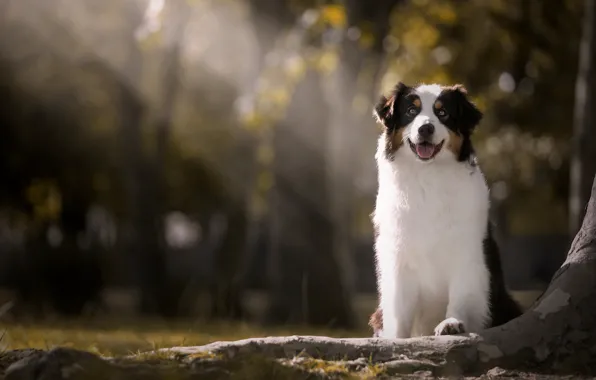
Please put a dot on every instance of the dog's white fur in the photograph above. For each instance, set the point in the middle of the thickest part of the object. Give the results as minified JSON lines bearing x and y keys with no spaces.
{"x":431,"y":219}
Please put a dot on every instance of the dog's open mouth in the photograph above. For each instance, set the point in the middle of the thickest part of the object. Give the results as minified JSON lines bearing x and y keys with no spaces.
{"x":425,"y":150}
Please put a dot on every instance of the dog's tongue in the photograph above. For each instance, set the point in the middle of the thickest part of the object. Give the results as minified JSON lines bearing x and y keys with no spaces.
{"x":425,"y":150}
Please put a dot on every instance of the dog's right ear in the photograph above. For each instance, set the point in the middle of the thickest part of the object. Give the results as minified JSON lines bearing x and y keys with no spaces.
{"x":386,"y":108}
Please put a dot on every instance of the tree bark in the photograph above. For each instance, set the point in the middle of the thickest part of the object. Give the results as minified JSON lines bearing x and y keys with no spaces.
{"x":583,"y":154}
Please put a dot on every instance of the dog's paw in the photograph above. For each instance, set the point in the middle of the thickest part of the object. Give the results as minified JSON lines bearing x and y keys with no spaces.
{"x":450,"y":326}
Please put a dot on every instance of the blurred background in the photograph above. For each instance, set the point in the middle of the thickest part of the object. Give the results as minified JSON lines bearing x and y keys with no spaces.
{"x":206,"y":166}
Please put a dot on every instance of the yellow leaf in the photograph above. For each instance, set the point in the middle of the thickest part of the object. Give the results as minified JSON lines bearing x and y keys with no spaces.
{"x":295,"y":68}
{"x":367,"y":39}
{"x":335,"y":15}
{"x":279,"y":96}
{"x":45,"y":198}
{"x":444,"y":13}
{"x":327,"y":62}
{"x":419,"y":33}
{"x":253,"y":121}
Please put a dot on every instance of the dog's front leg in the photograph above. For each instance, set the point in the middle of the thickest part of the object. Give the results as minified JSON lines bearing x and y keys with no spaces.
{"x":399,"y":298}
{"x":468,"y":307}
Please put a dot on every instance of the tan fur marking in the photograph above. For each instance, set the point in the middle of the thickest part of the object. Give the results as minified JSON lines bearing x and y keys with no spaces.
{"x":455,"y":143}
{"x":438,"y":104}
{"x":390,"y":103}
{"x":393,"y":141}
{"x":456,"y":87}
{"x":376,"y":320}
{"x":417,"y":103}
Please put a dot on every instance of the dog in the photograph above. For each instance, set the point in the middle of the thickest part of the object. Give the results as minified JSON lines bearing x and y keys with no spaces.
{"x":438,"y":266}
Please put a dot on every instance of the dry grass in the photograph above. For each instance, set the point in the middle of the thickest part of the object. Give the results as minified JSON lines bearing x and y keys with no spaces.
{"x":117,"y":337}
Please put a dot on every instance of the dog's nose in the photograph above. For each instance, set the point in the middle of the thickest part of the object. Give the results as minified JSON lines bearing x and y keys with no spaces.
{"x":426,"y":130}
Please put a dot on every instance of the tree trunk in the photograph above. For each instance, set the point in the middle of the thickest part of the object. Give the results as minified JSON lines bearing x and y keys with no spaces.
{"x":307,"y":286}
{"x":303,"y":273}
{"x":583,"y":153}
{"x":143,"y":238}
{"x":560,"y":329}
{"x":344,"y":155}
{"x":226,"y":293}
{"x":163,"y":299}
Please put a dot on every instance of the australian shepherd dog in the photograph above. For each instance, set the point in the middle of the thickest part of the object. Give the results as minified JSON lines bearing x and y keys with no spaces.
{"x":438,"y":266}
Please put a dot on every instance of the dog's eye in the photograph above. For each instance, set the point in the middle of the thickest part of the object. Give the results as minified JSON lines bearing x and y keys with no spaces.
{"x":442,"y":113}
{"x":412,"y":111}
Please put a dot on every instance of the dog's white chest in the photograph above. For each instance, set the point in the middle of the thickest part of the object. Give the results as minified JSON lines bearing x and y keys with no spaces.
{"x":431,"y":221}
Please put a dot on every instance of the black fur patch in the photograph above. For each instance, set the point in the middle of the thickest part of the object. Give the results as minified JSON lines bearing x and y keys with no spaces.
{"x":387,"y":108}
{"x":462,"y":117}
{"x":503,"y":307}
{"x":392,"y":112}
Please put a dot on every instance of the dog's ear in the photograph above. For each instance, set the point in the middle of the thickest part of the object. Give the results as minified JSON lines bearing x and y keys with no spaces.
{"x":386,"y":108}
{"x":468,"y":115}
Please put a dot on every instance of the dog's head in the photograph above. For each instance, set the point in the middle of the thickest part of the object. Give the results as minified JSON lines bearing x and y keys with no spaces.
{"x":428,"y":122}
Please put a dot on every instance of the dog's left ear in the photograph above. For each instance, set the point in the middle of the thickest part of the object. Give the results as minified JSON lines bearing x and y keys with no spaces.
{"x":385,"y":109}
{"x":468,"y":115}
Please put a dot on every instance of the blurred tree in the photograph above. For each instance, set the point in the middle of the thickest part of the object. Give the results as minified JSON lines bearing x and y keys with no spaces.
{"x":308,"y":284}
{"x":174,"y":16}
{"x":143,"y":232}
{"x":307,"y":280}
{"x":357,"y":33}
{"x":540,"y":69}
{"x":583,"y":147}
{"x":105,"y":82}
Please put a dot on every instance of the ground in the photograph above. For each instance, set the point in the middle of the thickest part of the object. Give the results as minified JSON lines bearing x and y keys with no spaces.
{"x":113,"y":337}
{"x":135,"y":341}
{"x":125,"y":335}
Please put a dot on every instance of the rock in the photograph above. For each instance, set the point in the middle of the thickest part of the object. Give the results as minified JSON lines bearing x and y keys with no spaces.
{"x":408,"y":366}
{"x":61,"y":363}
{"x":9,"y":357}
